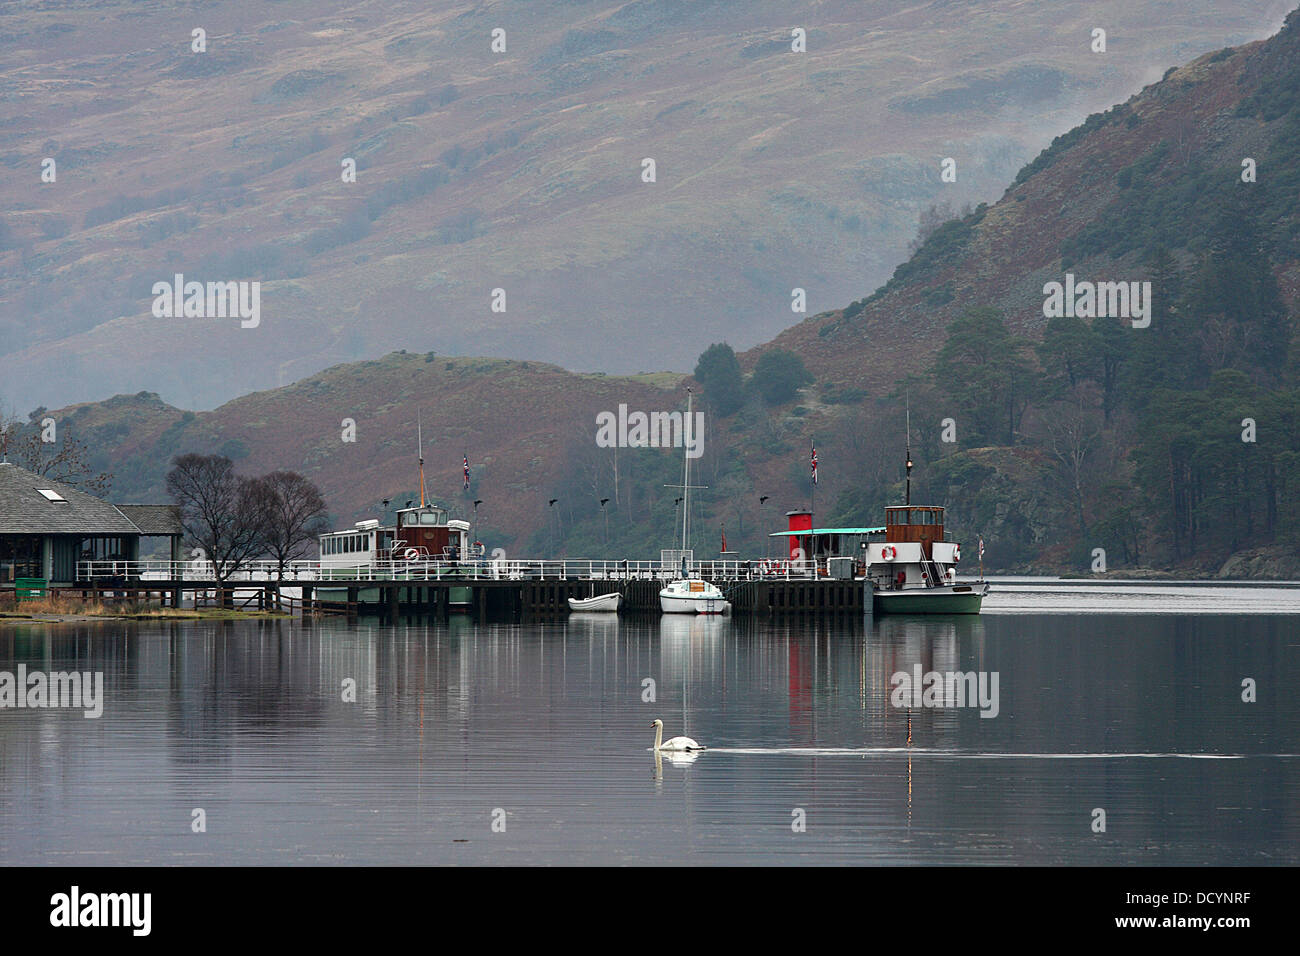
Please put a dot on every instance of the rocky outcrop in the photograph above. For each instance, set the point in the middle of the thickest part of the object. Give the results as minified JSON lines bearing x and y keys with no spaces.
{"x":1276,"y":563}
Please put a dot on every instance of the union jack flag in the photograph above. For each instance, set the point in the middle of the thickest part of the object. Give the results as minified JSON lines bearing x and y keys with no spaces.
{"x":813,"y":461}
{"x":467,"y":472}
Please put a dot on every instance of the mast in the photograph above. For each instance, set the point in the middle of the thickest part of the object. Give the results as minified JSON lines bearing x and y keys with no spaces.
{"x":908,"y":499}
{"x":419,"y":431}
{"x":686,"y":478}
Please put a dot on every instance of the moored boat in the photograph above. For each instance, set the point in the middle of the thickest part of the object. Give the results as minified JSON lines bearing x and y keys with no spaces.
{"x":693,"y":596}
{"x":914,"y":570}
{"x":689,"y":594}
{"x":601,"y":602}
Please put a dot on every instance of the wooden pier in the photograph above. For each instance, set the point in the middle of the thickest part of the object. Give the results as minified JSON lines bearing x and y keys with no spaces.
{"x":495,"y":599}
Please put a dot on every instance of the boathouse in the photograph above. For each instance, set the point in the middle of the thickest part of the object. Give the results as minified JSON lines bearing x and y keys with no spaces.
{"x":46,"y":527}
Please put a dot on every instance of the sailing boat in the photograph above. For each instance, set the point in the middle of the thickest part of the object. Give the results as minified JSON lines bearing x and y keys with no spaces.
{"x":689,"y":594}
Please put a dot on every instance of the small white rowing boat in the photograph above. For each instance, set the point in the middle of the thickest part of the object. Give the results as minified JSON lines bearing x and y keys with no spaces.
{"x":601,"y":602}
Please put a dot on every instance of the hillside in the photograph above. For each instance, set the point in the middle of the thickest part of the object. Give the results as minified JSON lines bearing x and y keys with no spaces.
{"x":1153,"y":171}
{"x":517,"y":170}
{"x":1170,"y":446}
{"x":1169,"y":443}
{"x":509,"y":418}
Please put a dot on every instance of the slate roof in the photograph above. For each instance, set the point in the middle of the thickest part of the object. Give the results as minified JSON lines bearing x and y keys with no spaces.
{"x":154,"y":519}
{"x":24,"y":510}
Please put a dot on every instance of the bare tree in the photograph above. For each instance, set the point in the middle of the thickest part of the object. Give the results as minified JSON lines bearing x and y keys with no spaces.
{"x":294,"y":515}
{"x":1072,"y":431}
{"x":221,"y":511}
{"x":931,"y":218}
{"x":65,"y":460}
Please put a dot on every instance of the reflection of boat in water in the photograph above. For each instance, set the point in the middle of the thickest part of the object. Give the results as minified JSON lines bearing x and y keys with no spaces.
{"x":600,"y":603}
{"x":682,"y":638}
{"x":675,"y":630}
{"x":592,"y":625}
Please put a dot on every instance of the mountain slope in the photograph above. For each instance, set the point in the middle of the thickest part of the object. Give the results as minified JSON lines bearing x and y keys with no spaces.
{"x":1152,"y":171}
{"x":518,"y":171}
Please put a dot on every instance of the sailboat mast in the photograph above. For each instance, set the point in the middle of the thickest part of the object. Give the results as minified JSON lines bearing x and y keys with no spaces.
{"x":686,"y":478}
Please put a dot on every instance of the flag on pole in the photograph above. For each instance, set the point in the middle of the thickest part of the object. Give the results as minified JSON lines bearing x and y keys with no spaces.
{"x":467,"y":472}
{"x":981,"y":547}
{"x":813,"y":462}
{"x":724,"y":539}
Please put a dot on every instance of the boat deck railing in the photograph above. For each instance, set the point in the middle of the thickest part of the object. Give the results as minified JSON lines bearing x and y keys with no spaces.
{"x":440,"y":569}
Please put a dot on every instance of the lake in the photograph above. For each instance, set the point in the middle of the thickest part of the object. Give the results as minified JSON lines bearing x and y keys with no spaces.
{"x":529,"y":743}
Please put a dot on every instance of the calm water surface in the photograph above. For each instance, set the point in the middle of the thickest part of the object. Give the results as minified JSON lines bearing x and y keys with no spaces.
{"x":1127,"y":699}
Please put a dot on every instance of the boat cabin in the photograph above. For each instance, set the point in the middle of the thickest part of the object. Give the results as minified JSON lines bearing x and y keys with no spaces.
{"x":919,"y":523}
{"x":428,"y":530}
{"x":421,"y":533}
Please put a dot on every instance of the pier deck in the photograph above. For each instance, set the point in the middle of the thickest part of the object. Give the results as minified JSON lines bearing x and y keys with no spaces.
{"x":535,"y":587}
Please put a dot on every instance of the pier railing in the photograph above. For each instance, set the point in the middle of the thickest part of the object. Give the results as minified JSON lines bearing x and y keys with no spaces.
{"x":444,"y":570}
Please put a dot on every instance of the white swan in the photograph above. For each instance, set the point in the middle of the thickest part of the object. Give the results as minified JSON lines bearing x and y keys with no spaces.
{"x":673,"y":743}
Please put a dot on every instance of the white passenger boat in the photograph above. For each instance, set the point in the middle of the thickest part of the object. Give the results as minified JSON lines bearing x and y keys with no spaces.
{"x":601,"y":602}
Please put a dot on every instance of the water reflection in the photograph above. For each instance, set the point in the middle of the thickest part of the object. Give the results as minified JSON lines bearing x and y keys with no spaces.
{"x":254,"y":721}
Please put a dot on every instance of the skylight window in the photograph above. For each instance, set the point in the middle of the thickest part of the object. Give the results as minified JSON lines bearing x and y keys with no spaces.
{"x":52,"y":495}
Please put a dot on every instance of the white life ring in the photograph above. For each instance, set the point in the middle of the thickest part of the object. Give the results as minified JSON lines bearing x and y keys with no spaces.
{"x":889,"y":552}
{"x":411,"y":554}
{"x":956,"y":553}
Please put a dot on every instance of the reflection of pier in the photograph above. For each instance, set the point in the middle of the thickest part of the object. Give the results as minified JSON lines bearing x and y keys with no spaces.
{"x":483,"y":586}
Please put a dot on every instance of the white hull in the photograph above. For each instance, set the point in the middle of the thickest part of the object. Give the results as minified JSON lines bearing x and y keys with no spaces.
{"x":601,"y":602}
{"x":692,"y":597}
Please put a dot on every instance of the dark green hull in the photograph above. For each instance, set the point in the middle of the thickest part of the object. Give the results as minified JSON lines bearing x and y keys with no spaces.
{"x":460,"y":598}
{"x":960,"y":599}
